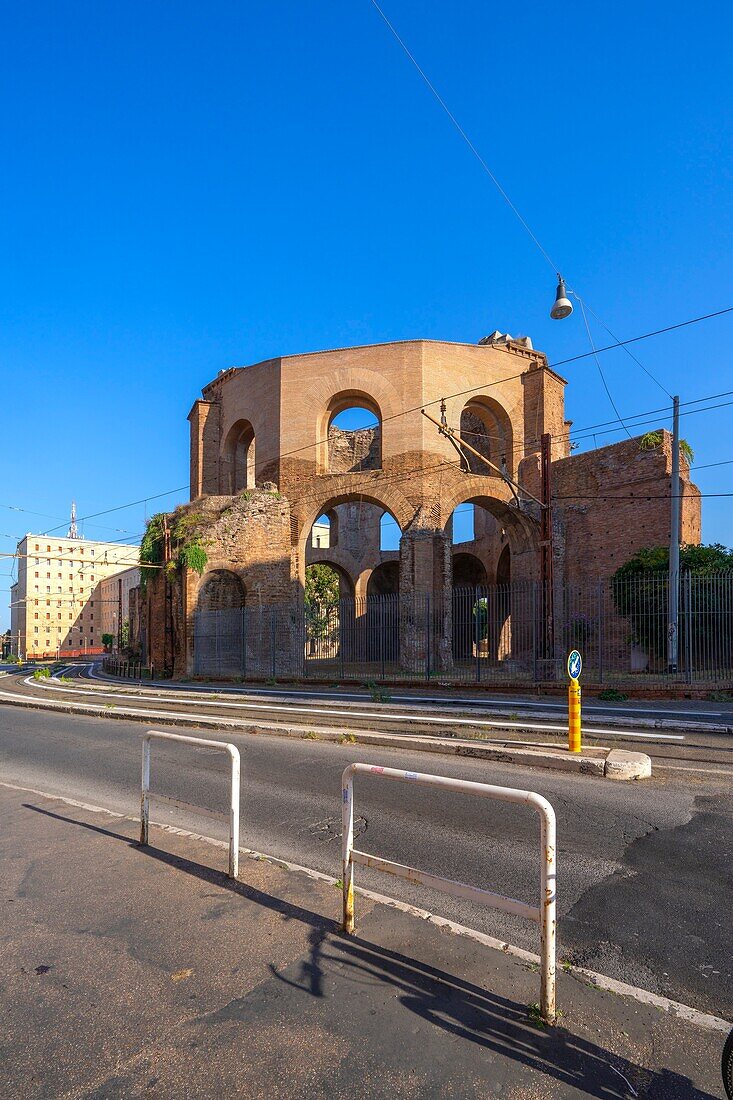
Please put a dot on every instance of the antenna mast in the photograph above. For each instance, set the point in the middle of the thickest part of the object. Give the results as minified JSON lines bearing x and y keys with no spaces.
{"x":73,"y":531}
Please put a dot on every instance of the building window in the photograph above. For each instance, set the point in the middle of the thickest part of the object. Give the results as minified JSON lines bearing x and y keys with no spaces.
{"x":48,"y":549}
{"x":48,"y":576}
{"x":35,"y":629}
{"x":36,"y":574}
{"x":36,"y":546}
{"x":36,"y":615}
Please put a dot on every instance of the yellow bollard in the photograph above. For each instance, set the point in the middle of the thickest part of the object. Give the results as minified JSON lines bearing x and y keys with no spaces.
{"x":574,"y":727}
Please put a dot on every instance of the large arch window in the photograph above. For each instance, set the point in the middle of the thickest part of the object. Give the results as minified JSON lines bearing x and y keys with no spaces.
{"x":221,"y":590}
{"x":353,"y":434}
{"x":486,"y":427}
{"x":238,"y":459}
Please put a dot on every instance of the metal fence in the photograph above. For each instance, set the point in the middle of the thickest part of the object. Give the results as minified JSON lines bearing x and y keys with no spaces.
{"x":127,"y":670}
{"x":503,"y":634}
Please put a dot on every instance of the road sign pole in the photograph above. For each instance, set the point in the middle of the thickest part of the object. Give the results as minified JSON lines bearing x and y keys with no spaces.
{"x":575,"y":667}
{"x":574,"y":725}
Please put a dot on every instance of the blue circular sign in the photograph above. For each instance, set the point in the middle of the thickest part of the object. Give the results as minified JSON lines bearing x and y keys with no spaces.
{"x":575,"y":664}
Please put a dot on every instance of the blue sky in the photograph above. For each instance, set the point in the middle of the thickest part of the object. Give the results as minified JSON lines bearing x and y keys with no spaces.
{"x":188,"y":187}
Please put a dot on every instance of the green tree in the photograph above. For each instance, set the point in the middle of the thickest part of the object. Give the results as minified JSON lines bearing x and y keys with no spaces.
{"x":641,"y":593}
{"x":107,"y":641}
{"x":322,"y":592}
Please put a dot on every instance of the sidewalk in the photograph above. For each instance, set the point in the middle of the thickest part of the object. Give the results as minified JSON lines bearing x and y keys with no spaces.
{"x":146,"y":973}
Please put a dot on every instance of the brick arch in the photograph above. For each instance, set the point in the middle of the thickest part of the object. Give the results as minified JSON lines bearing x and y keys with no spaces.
{"x":220,"y":590}
{"x":346,"y":579}
{"x":497,"y":498}
{"x":346,"y":489}
{"x":494,"y":436}
{"x":338,"y":390}
{"x":338,"y":558}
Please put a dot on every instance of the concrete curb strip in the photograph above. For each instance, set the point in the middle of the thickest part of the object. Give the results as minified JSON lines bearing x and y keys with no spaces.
{"x":625,"y":765}
{"x":703,"y":1020}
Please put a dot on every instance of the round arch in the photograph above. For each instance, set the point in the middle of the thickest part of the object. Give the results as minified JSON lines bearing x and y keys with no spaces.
{"x":384,"y":580}
{"x":349,"y":488}
{"x":346,"y":582}
{"x":237,"y":462}
{"x":468,"y":571}
{"x":487,"y":427}
{"x":522,"y":530}
{"x":221,"y":590}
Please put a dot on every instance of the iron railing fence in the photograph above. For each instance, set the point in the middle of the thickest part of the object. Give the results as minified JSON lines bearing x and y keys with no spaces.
{"x":501,"y":634}
{"x":127,"y":669}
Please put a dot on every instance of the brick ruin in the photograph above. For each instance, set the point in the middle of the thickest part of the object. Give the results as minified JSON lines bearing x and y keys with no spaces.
{"x":267,"y":460}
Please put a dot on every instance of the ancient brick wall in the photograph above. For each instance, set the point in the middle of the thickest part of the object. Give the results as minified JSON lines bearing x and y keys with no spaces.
{"x":354,"y":450}
{"x":614,"y":501}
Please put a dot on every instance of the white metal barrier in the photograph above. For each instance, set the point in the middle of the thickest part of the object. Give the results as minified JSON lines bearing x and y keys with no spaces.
{"x":203,"y":742}
{"x":543,"y":914}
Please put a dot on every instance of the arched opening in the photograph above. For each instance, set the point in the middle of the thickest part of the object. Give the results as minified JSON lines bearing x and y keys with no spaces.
{"x":238,"y":459}
{"x":221,"y":590}
{"x":219,"y":625}
{"x":492,"y":619}
{"x":461,"y":525}
{"x":354,"y":434}
{"x":327,"y":590}
{"x":468,"y":571}
{"x":384,"y":580}
{"x":324,"y":532}
{"x":389,"y":534}
{"x":504,"y":604}
{"x":487,"y":428}
{"x":469,"y":606}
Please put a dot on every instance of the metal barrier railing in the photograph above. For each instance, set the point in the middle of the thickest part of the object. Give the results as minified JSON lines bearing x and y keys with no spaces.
{"x":128,"y":670}
{"x":203,"y":742}
{"x":543,"y":914}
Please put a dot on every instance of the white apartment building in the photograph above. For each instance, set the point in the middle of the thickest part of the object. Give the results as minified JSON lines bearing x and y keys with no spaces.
{"x":115,"y":600}
{"x":56,"y":605}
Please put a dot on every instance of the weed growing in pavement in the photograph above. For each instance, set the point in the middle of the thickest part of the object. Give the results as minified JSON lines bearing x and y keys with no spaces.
{"x":347,"y":739}
{"x":611,"y":695}
{"x":378,"y":694}
{"x":534,"y":1014}
{"x":311,"y":736}
{"x":720,"y":697}
{"x":65,"y":679}
{"x":42,"y":674}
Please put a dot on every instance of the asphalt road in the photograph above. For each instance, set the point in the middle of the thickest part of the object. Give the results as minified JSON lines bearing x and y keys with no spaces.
{"x":645,"y":869}
{"x":673,"y":749}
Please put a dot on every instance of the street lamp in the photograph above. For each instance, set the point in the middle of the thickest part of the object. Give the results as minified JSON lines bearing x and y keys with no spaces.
{"x":562,"y":307}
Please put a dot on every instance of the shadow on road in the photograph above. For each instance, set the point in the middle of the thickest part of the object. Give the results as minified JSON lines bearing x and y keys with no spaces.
{"x":457,"y":1007}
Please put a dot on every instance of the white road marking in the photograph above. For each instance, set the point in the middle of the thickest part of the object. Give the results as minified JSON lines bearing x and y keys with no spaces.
{"x":375,"y":716}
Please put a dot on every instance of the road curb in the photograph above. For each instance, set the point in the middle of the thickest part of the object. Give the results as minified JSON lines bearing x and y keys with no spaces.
{"x":624,"y":766}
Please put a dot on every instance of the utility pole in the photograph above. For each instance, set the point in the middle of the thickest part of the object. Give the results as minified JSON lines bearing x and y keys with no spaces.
{"x":548,"y":601}
{"x":674,"y":544}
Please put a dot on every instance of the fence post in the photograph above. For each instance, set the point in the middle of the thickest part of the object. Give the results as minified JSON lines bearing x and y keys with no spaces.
{"x":347,"y":842}
{"x":243,"y":655}
{"x":476,"y":641}
{"x":428,"y":637}
{"x":688,"y":627}
{"x":534,"y":631}
{"x":600,"y":631}
{"x":145,"y":794}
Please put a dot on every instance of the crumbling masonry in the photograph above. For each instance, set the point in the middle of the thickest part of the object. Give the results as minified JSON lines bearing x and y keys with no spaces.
{"x":267,"y":461}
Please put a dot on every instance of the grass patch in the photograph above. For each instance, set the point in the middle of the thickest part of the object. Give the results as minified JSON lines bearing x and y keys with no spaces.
{"x":611,"y":695}
{"x":42,"y":674}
